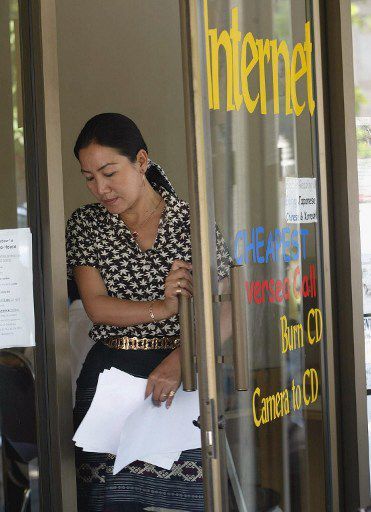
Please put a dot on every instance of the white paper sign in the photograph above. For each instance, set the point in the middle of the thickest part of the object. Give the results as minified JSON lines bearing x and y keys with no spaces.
{"x":301,"y":200}
{"x":17,"y":321}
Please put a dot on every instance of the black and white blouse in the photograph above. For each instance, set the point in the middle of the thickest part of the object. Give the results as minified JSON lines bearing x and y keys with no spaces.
{"x":97,"y":238}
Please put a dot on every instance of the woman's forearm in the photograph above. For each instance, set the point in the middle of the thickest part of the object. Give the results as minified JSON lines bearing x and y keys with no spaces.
{"x":103,"y":309}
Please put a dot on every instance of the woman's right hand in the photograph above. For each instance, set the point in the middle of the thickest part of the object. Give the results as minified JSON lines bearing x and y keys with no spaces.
{"x":179,"y":281}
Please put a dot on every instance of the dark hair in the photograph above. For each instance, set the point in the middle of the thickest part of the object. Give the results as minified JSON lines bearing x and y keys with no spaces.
{"x":114,"y":131}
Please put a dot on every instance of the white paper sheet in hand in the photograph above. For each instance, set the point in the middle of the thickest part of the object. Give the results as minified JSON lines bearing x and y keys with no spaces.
{"x":151,"y":430}
{"x":117,"y":395}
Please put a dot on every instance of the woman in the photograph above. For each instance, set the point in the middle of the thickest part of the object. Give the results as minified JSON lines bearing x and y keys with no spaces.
{"x":130,"y":254}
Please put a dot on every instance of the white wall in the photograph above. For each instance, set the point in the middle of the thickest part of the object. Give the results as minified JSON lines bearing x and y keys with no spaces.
{"x":121,"y":56}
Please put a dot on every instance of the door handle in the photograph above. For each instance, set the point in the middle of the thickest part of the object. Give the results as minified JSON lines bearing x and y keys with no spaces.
{"x":197,"y":423}
{"x":221,"y":422}
{"x":239,"y":329}
{"x":187,"y":344}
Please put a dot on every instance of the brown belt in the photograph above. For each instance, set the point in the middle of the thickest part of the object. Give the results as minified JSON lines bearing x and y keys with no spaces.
{"x":135,"y":343}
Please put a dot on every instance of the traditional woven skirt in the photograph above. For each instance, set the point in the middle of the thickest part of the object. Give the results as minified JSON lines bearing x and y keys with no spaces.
{"x":139,"y":486}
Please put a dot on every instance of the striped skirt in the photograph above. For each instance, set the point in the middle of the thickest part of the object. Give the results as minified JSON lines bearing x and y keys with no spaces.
{"x":140,"y":485}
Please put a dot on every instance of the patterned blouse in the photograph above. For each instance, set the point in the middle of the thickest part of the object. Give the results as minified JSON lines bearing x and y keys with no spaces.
{"x":97,"y":238}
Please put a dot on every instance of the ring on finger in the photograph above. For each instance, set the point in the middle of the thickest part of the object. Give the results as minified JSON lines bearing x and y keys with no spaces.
{"x":172,"y":393}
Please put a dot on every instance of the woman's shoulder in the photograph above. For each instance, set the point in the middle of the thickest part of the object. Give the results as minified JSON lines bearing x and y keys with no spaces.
{"x":85,"y":214}
{"x":180,"y":210}
{"x":184,"y":206}
{"x":174,"y":202}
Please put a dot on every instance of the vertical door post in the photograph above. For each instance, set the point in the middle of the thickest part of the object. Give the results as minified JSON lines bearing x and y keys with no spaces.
{"x":202,"y":232}
{"x":45,"y":204}
{"x":346,"y":256}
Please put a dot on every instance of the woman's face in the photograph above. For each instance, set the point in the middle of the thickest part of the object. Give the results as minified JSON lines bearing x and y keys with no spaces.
{"x":112,"y":178}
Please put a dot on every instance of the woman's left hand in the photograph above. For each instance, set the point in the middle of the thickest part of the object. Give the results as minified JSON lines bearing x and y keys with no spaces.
{"x":165,"y":379}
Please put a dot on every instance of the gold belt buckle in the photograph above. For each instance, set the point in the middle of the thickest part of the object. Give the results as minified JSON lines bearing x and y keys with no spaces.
{"x":139,"y":343}
{"x":135,"y":343}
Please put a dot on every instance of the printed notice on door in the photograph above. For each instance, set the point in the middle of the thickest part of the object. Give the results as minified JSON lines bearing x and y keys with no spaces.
{"x":17,"y":322}
{"x":301,"y":200}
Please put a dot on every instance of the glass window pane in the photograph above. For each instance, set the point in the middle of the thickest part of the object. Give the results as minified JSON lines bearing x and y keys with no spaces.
{"x":18,"y":445}
{"x":361,"y":27}
{"x":266,"y":188}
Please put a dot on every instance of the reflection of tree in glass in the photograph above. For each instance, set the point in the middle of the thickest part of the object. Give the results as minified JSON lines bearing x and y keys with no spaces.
{"x":360,"y":99}
{"x":18,"y":137}
{"x":362,"y":22}
{"x":282,"y":20}
{"x":364,"y":141}
{"x":282,"y":31}
{"x":18,"y":129}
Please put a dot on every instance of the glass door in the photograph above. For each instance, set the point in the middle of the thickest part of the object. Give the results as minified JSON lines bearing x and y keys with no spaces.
{"x":256,"y":137}
{"x":19,"y":449}
{"x":36,"y":452}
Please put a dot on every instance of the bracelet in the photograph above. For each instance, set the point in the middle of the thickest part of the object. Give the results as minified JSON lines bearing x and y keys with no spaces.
{"x":151,"y":311}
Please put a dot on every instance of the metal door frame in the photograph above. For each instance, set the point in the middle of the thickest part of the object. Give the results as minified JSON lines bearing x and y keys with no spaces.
{"x":201,"y":204}
{"x":345,"y":253}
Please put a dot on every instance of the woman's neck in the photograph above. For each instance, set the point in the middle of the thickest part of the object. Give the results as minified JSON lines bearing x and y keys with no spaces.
{"x":145,"y":204}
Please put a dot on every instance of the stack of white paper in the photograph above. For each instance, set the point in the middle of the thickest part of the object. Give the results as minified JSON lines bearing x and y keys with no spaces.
{"x":121,"y":422}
